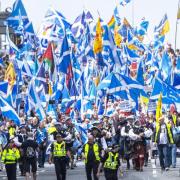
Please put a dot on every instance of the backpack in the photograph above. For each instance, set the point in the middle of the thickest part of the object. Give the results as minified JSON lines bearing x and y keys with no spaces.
{"x":30,"y":153}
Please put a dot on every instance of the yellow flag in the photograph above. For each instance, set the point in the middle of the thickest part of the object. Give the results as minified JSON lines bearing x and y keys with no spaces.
{"x":166,"y":28}
{"x":117,"y":37}
{"x":10,"y":74}
{"x":159,"y":108}
{"x":126,"y":23}
{"x":178,"y":14}
{"x":98,"y":45}
{"x":144,"y":100}
{"x":132,"y":47}
{"x":96,"y":81}
{"x":50,"y":89}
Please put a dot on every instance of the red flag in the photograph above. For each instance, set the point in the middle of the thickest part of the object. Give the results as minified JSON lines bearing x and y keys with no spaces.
{"x":48,"y":57}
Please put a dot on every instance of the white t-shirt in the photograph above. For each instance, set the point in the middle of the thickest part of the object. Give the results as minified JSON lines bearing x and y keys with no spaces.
{"x":163,"y":135}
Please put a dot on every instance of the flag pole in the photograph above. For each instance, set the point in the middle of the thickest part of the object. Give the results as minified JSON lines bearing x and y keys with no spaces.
{"x":177,"y":25}
{"x":133,"y":13}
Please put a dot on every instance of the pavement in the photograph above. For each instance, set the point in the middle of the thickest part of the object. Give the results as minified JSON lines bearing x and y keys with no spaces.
{"x":151,"y":172}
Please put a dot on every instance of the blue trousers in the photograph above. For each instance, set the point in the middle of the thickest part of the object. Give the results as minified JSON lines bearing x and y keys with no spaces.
{"x":163,"y":155}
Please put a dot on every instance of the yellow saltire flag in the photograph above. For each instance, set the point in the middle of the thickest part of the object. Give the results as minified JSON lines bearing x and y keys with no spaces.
{"x":178,"y":14}
{"x":98,"y":44}
{"x":10,"y":74}
{"x":159,"y":108}
{"x":117,"y":37}
{"x":166,"y":28}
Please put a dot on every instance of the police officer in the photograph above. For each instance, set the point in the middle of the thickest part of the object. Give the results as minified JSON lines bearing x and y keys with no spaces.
{"x":91,"y":154}
{"x":111,"y":163}
{"x":58,"y":156}
{"x":10,"y":157}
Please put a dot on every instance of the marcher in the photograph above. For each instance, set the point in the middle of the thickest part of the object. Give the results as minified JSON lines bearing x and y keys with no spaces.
{"x":163,"y":137}
{"x":10,"y":157}
{"x":91,"y":154}
{"x":111,"y":163}
{"x":30,"y":148}
{"x":58,"y":157}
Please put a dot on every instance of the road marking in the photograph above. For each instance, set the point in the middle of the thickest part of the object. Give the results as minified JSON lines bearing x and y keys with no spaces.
{"x":154,"y":172}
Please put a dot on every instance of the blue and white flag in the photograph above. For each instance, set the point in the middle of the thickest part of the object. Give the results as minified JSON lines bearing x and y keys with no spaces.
{"x":8,"y":111}
{"x":124,"y":2}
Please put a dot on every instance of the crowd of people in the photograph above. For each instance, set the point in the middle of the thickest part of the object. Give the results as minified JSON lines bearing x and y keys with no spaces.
{"x":110,"y":141}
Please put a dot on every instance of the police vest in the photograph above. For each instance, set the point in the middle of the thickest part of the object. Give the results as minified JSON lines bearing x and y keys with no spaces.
{"x":168,"y":127}
{"x":12,"y":131}
{"x":95,"y":149}
{"x":112,"y":161}
{"x":10,"y":156}
{"x":174,"y":117}
{"x":59,"y":149}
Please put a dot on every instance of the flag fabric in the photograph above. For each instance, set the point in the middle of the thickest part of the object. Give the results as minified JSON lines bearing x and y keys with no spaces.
{"x":79,"y":25}
{"x":35,"y":102}
{"x":10,"y":75}
{"x":112,"y":22}
{"x":8,"y":111}
{"x":117,"y":37}
{"x":117,"y":16}
{"x":1,"y":62}
{"x":98,"y":44}
{"x":124,"y":2}
{"x":140,"y":73}
{"x":65,"y":57}
{"x":3,"y":88}
{"x":159,"y":108}
{"x":178,"y":14}
{"x":164,"y":27}
{"x":49,"y":58}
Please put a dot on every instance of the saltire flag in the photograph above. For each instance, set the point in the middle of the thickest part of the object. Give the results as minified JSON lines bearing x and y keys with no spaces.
{"x":164,"y":27}
{"x":65,"y":57}
{"x":35,"y":102}
{"x":19,"y":21}
{"x":8,"y":111}
{"x":117,"y":17}
{"x":98,"y":43}
{"x":1,"y":62}
{"x":166,"y":65}
{"x":48,"y":57}
{"x":13,"y":47}
{"x":76,"y":68}
{"x":26,"y":70}
{"x":13,"y":19}
{"x":124,"y":2}
{"x":159,"y":108}
{"x":142,"y":29}
{"x":3,"y":88}
{"x":10,"y":75}
{"x":79,"y":25}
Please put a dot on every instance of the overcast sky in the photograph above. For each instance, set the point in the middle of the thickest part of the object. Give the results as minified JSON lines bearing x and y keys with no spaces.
{"x":152,"y":10}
